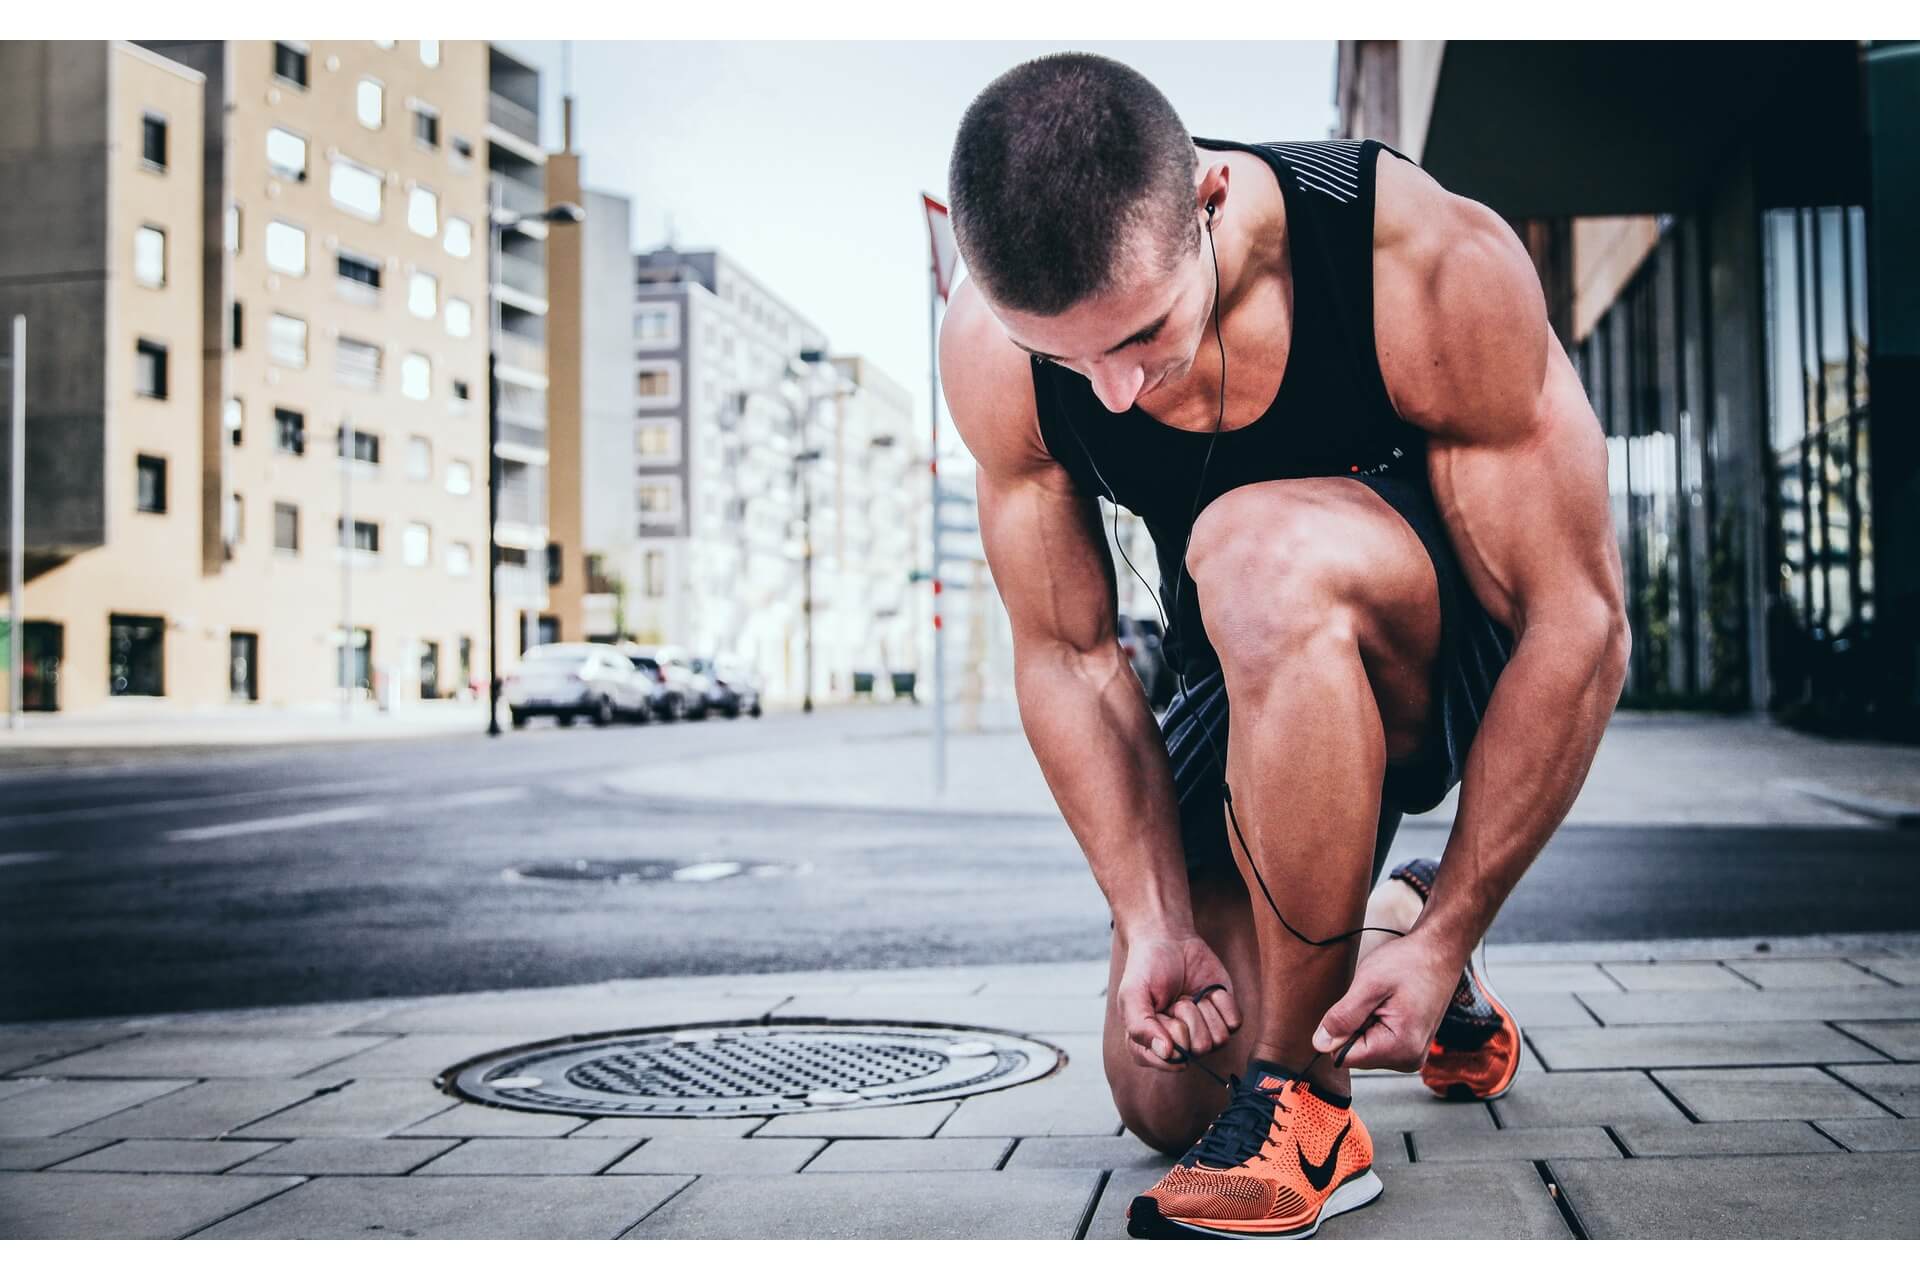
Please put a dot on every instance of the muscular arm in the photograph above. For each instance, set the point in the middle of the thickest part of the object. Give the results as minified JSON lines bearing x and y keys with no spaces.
{"x":1081,"y":706}
{"x":1519,"y":470}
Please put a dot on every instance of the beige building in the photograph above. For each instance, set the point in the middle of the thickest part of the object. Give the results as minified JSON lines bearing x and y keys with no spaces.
{"x":302,"y":261}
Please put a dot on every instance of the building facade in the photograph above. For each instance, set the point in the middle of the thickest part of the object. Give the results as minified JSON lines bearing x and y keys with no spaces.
{"x":255,"y":439}
{"x":1725,"y":234}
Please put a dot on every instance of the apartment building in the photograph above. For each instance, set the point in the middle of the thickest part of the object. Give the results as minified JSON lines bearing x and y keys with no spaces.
{"x":257,"y":355}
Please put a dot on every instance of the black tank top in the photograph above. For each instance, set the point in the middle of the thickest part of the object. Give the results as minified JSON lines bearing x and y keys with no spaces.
{"x":1330,"y":417}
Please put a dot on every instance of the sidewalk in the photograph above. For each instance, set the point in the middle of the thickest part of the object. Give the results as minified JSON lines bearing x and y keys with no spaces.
{"x":1696,"y":1089}
{"x":158,"y":724}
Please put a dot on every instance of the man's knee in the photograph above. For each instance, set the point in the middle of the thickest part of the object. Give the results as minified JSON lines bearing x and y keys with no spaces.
{"x":1163,"y":1119}
{"x":1274,"y":579}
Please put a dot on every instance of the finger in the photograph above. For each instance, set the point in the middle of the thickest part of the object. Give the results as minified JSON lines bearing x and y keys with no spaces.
{"x":1153,"y":1051}
{"x":1175,"y":1031}
{"x":1348,"y":1015}
{"x":1222,"y":1000}
{"x":1216,"y":1025}
{"x":1187,"y":1014}
{"x":1376,"y":1046}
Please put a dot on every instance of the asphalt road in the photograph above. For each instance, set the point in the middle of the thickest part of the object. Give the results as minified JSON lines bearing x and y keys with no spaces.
{"x":180,"y":880}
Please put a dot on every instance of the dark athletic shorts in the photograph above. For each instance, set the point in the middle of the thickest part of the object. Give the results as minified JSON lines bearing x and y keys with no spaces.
{"x":1473,"y":651}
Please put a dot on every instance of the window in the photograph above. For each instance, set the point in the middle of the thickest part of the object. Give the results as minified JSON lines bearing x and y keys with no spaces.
{"x":356,"y":364}
{"x":355,"y":188}
{"x":353,"y":667}
{"x":423,"y":211}
{"x":459,"y":241}
{"x":152,"y":495}
{"x":416,"y":546}
{"x":286,"y":527}
{"x":416,"y":377}
{"x":236,"y":328}
{"x":461,"y":391}
{"x":659,"y":498}
{"x":366,"y":535}
{"x":459,"y":559}
{"x":655,"y":440}
{"x":358,"y":275}
{"x":235,"y":526}
{"x":135,"y":655}
{"x":419,"y":458}
{"x":290,"y":431}
{"x":150,"y":256}
{"x":656,"y":574}
{"x":459,"y":478}
{"x":383,"y":44}
{"x":426,"y":126}
{"x":150,"y":369}
{"x":656,"y":383}
{"x":462,"y":151}
{"x":233,"y":228}
{"x":459,"y":319}
{"x":286,"y":248}
{"x":286,"y":155}
{"x":366,"y":446}
{"x":657,"y":326}
{"x":287,"y":340}
{"x":153,"y":140}
{"x":430,"y":53}
{"x":553,"y":571}
{"x":233,"y":418}
{"x":423,"y":294}
{"x":290,"y":62}
{"x":370,"y":103}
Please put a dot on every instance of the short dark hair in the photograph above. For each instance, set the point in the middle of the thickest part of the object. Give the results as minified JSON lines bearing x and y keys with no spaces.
{"x":1055,"y":165}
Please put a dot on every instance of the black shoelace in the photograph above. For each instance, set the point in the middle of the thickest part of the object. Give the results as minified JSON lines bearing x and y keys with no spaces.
{"x":1237,"y":1133}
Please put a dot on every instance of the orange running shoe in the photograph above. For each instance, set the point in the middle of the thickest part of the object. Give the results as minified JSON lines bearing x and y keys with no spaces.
{"x":1475,"y":1052}
{"x":1281,"y":1159}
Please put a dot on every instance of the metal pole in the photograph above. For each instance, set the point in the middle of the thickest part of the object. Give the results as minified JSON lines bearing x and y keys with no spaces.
{"x":346,"y":569}
{"x":933,"y":466}
{"x":17,"y":527}
{"x":493,"y":463}
{"x":806,"y":551}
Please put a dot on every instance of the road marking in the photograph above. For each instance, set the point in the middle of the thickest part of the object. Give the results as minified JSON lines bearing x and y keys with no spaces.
{"x":346,"y":813}
{"x":15,"y":859}
{"x":708,"y":871}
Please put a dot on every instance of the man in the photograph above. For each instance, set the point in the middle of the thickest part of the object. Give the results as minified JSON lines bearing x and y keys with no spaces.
{"x":1376,"y":488}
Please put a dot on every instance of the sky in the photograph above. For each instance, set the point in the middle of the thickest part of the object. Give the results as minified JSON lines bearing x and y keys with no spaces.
{"x":805,"y":161}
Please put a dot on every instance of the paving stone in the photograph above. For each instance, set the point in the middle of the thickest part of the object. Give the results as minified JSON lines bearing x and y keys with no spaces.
{"x":501,"y":1208}
{"x":524,"y":1016}
{"x":470,"y":1120}
{"x":1505,"y":1201}
{"x":1547,"y":1009}
{"x":61,"y":1105}
{"x":362,"y":1109}
{"x":1731,"y":1138}
{"x":1835,"y":1196}
{"x":1710,"y":1045}
{"x":1895,"y":1039}
{"x":123,"y":1206}
{"x":1896,"y":1084}
{"x":20,"y":1084}
{"x":1030,"y":1204}
{"x":1123,"y":1152}
{"x":205,"y":1110}
{"x":720,"y":1155}
{"x":1765,"y":1093}
{"x":296,"y":1020}
{"x":210,"y":1056}
{"x":27,"y":1154}
{"x":166,"y":1155}
{"x":417,"y":1056}
{"x":1883,"y":1134}
{"x":914,"y":1120}
{"x":1839,"y":1004}
{"x":1516,"y":979}
{"x":1676,"y":977}
{"x":1078,"y":1101}
{"x":662,"y":1127}
{"x":1905,"y":971}
{"x":22,"y":1050}
{"x":1783,"y":975}
{"x":1396,"y":1102}
{"x":530,"y":1156}
{"x":1584,"y":1097}
{"x":1029,"y":1015}
{"x":327,"y":1156}
{"x":1512,"y":1144}
{"x":911,"y":1155}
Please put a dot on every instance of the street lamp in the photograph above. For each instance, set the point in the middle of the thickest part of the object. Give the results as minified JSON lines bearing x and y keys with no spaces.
{"x":500,"y":220}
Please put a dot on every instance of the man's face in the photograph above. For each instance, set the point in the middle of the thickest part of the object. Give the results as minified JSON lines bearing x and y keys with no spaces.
{"x":1132,"y":338}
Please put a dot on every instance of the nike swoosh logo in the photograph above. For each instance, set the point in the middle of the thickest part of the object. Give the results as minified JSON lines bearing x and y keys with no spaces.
{"x":1321,"y":1174}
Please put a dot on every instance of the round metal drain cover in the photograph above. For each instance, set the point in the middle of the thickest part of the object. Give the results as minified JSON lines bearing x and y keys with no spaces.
{"x":756,"y":1069}
{"x":639,"y":870}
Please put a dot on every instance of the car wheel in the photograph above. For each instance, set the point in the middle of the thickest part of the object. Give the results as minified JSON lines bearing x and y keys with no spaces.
{"x":603,"y":713}
{"x":755,"y":713}
{"x":519,"y":719}
{"x":566,"y":722}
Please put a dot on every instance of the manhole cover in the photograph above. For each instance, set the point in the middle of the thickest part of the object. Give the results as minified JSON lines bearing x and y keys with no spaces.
{"x":639,"y":870}
{"x":755,"y":1069}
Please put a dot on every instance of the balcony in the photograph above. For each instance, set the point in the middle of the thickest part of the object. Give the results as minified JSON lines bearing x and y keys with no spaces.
{"x":524,"y":276}
{"x":513,"y":117}
{"x":519,"y":197}
{"x":529,"y":354}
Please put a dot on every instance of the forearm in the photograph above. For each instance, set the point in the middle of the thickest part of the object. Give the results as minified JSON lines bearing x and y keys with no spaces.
{"x":1528,"y":761}
{"x":1101,"y":754}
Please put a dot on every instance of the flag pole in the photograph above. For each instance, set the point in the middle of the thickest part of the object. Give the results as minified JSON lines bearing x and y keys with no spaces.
{"x":933,"y":468}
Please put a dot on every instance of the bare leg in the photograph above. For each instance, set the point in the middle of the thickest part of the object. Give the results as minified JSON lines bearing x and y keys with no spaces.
{"x":1394,"y":905}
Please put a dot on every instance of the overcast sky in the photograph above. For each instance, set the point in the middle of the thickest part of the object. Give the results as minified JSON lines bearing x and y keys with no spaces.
{"x":806,"y":161}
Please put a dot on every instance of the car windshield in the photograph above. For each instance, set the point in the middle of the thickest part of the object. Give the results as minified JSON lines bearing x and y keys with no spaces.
{"x":553,"y":661}
{"x":646,"y":664}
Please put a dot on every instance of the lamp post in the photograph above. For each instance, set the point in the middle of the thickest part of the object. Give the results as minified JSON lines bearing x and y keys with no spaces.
{"x":500,"y":220}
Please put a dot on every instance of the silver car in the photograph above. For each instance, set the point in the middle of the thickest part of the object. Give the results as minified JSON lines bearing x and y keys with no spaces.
{"x":567,"y":681}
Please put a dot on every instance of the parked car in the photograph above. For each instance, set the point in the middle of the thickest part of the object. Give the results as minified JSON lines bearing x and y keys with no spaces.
{"x":1140,"y":641}
{"x":570,"y":680}
{"x":674,"y":691}
{"x":699,"y":681}
{"x":733,"y":687}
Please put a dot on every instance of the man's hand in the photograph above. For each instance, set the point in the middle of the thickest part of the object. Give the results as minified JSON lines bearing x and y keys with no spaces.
{"x":1156,"y":998}
{"x":1399,"y":994}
